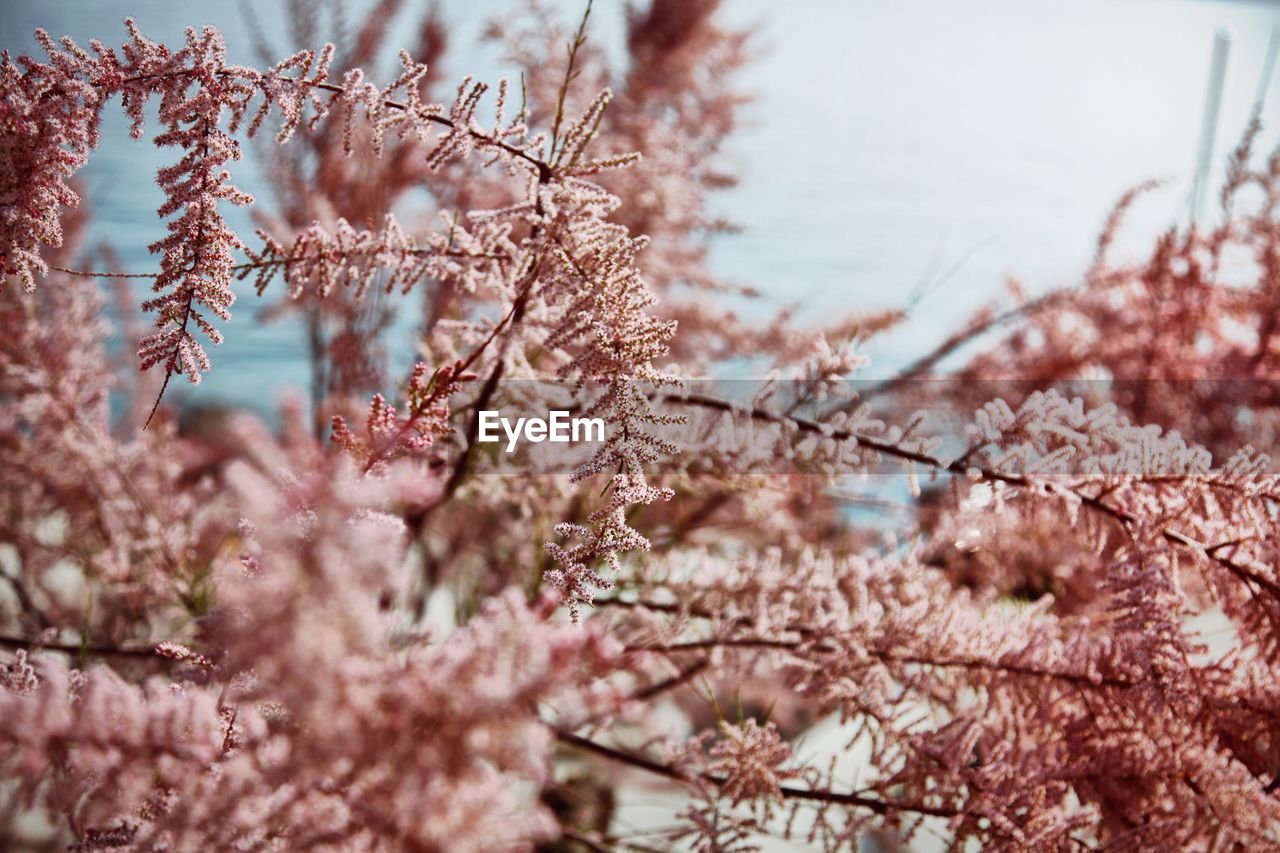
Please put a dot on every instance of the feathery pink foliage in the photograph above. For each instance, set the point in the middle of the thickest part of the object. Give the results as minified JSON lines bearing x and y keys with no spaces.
{"x":355,"y":634}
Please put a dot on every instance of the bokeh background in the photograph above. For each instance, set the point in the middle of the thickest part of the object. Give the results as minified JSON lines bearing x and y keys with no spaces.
{"x":915,"y":151}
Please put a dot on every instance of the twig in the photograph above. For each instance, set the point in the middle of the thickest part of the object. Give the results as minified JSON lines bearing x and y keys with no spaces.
{"x":23,"y":643}
{"x":881,"y":807}
{"x":963,"y":467}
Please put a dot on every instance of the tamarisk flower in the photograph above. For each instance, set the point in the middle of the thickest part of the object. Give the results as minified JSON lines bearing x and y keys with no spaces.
{"x":302,"y":722}
{"x":743,"y":764}
{"x":196,"y":88}
{"x":387,"y":434}
{"x":51,"y":124}
{"x":319,"y":260}
{"x":573,"y":272}
{"x":217,"y":637}
{"x":196,"y":257}
{"x":747,"y":761}
{"x":18,"y":676}
{"x":59,"y":107}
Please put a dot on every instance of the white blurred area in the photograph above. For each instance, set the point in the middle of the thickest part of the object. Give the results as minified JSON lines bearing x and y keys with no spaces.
{"x":948,"y":146}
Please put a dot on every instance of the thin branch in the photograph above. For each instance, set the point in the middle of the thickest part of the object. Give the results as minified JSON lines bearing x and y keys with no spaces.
{"x":958,"y":339}
{"x":880,"y":807}
{"x":240,"y":269}
{"x":973,"y":664}
{"x":682,"y":677}
{"x":570,"y":72}
{"x":30,"y":645}
{"x":962,"y":467}
{"x":544,"y":170}
{"x":197,"y":246}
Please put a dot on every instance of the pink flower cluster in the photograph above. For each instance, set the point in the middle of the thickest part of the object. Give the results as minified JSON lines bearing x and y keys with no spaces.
{"x":357,"y":630}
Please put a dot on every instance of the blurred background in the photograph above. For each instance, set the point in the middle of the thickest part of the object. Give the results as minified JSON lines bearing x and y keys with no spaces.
{"x":916,"y":151}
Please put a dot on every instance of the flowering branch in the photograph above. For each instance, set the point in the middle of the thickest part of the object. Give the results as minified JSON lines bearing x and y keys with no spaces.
{"x":788,"y":792}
